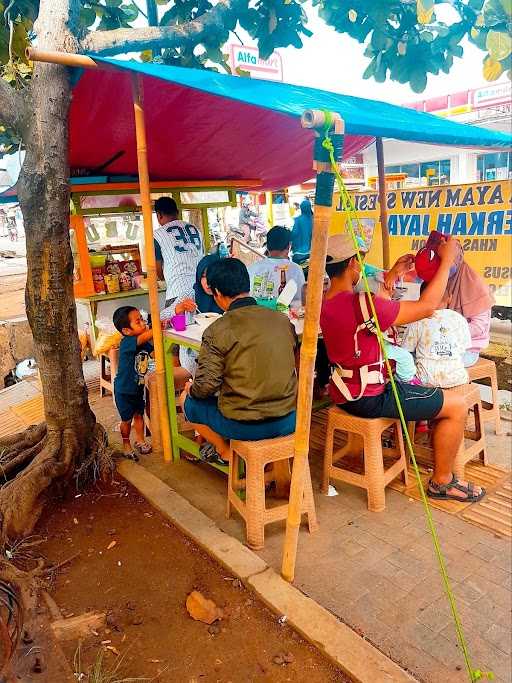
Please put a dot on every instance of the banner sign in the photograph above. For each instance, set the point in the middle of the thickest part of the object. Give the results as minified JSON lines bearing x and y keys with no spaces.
{"x":479,"y":215}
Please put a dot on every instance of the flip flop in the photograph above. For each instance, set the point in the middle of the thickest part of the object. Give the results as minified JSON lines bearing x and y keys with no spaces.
{"x":143,"y":447}
{"x":440,"y":491}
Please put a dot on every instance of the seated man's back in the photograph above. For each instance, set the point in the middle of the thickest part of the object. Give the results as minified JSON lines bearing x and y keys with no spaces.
{"x":248,"y":355}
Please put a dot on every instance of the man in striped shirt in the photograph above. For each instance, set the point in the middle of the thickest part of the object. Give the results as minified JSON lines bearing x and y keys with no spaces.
{"x":178,"y":249}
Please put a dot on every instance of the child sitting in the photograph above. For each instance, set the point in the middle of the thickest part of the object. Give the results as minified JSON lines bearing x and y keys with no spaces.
{"x":405,"y":368}
{"x":134,"y":352}
{"x":440,"y":343}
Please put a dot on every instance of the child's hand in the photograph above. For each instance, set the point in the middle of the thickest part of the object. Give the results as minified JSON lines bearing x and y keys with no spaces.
{"x":187,"y":305}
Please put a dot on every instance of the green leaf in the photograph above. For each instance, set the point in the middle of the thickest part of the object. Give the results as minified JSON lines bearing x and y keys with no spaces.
{"x":87,"y":16}
{"x":370,"y":70}
{"x":507,"y":6}
{"x":499,"y":45}
{"x":418,"y":81}
{"x":427,"y":36}
{"x":494,"y":13}
{"x":380,"y":40}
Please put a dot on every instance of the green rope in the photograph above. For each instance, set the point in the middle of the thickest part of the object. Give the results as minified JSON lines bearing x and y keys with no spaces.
{"x":348,"y":206}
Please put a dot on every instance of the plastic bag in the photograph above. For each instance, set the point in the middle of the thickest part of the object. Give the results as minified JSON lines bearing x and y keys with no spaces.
{"x":107,"y":341}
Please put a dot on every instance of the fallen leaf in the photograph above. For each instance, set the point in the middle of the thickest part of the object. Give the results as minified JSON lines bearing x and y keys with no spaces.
{"x":202,"y":609}
{"x":75,"y":520}
{"x":111,"y":545}
{"x":105,"y":642}
{"x":114,"y":650}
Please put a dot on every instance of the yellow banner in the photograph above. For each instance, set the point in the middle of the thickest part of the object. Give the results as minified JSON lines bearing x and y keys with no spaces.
{"x":479,"y":215}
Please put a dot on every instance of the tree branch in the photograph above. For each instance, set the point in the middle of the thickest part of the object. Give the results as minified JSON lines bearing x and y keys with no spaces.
{"x":12,"y":106}
{"x":158,"y":37}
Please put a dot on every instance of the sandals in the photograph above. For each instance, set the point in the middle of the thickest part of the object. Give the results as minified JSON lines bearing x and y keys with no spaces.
{"x":440,"y":491}
{"x":143,"y":447}
{"x":131,"y":456}
{"x":208,"y":453}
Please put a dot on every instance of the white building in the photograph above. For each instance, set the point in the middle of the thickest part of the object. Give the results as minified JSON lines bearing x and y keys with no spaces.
{"x":489,"y":106}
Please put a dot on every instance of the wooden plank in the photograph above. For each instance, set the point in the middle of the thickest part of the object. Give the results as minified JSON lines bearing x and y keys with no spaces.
{"x":77,"y":627}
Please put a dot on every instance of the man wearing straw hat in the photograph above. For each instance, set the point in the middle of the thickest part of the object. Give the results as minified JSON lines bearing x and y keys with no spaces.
{"x":359,"y":382}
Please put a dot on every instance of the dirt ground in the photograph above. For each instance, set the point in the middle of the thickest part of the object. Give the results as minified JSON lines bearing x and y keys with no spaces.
{"x":12,"y":295}
{"x":142,"y":582}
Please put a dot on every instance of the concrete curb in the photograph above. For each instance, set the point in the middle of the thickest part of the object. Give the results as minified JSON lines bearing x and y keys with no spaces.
{"x":338,"y":642}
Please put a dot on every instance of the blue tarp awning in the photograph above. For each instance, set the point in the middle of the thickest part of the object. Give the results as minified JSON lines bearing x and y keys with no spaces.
{"x":203,"y":125}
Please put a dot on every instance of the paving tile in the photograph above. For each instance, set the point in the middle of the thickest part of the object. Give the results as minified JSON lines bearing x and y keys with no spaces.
{"x":407,"y":562}
{"x":394,"y":574}
{"x":485,"y":656}
{"x":504,"y":561}
{"x":468,"y":591}
{"x":463,"y":567}
{"x":500,"y":637}
{"x":384,"y":594}
{"x":436,"y":616}
{"x":497,"y":614}
{"x":369,"y":557}
{"x":447,"y":652}
{"x":484,"y":552}
{"x":416,"y":634}
{"x":471,"y":618}
{"x":498,"y":576}
{"x":500,"y":594}
{"x":363,"y":615}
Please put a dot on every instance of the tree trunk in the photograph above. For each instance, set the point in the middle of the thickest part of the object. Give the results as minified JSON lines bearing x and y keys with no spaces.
{"x":46,"y":458}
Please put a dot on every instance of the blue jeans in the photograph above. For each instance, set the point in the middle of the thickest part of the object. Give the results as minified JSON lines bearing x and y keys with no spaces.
{"x":206,"y":412}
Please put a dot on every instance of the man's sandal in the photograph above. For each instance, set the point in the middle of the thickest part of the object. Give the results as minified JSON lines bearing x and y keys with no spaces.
{"x":208,"y":453}
{"x":440,"y":491}
{"x":143,"y":447}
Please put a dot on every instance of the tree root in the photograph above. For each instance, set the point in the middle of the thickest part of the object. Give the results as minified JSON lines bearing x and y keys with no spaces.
{"x":39,"y":463}
{"x":36,"y":465}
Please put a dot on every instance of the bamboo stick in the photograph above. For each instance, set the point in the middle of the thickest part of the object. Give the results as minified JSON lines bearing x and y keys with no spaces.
{"x":382,"y":204}
{"x":149,"y":248}
{"x":64,"y":58}
{"x":323,"y":210}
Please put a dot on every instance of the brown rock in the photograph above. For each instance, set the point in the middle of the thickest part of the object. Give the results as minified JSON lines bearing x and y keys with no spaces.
{"x":202,"y":609}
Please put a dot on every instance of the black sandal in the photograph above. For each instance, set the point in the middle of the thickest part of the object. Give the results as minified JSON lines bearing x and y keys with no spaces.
{"x":440,"y":491}
{"x":208,"y":453}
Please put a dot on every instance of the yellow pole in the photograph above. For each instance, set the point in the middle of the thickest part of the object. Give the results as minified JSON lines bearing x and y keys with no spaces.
{"x":382,"y":204}
{"x":270,"y":208}
{"x":149,"y":248}
{"x":323,"y":210}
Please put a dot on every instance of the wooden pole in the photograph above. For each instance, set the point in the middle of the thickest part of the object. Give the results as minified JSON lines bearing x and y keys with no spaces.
{"x":149,"y":248}
{"x":383,"y":204}
{"x":270,"y":208}
{"x":64,"y":58}
{"x":322,"y":217}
